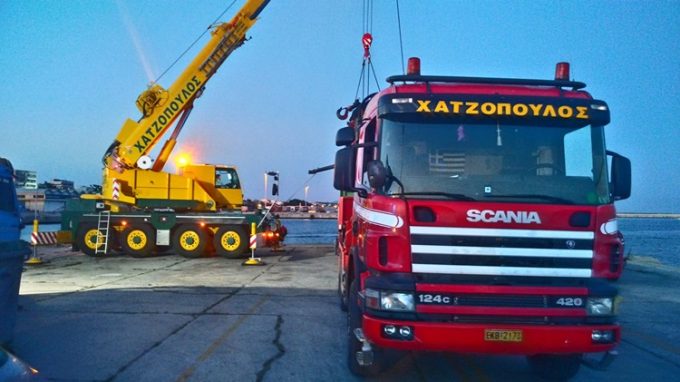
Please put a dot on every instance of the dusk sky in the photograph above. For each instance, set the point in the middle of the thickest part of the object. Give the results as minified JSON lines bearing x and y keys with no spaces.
{"x":72,"y":70}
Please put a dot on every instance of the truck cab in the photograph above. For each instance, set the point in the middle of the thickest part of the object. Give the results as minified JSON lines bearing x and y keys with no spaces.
{"x":478,"y":217}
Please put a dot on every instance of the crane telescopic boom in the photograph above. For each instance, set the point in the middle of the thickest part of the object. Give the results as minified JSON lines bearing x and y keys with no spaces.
{"x":161,"y":107}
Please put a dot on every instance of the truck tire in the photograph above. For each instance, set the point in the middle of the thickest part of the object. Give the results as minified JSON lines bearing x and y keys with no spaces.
{"x":342,"y":295}
{"x":87,"y":239}
{"x":189,"y":241}
{"x":138,"y":240}
{"x":555,"y":367}
{"x":343,"y":283}
{"x":354,"y":320}
{"x":231,"y":241}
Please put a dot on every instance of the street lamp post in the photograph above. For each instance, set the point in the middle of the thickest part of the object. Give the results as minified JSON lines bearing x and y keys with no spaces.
{"x":306,"y":191}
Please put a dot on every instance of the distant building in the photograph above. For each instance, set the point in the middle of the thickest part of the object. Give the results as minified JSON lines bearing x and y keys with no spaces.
{"x":46,"y":201}
{"x":26,"y":179}
{"x":59,"y":184}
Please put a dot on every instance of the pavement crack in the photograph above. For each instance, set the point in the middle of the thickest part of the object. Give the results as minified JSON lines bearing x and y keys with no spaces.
{"x":264,"y":271}
{"x":279,"y":346}
{"x":188,"y":372}
{"x":651,"y":352}
{"x":194,"y":317}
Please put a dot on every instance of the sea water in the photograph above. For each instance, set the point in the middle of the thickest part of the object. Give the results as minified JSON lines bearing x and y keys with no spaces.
{"x":658,"y":238}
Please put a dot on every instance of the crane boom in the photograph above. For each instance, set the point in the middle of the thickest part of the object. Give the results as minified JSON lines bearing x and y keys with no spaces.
{"x":160,"y":107}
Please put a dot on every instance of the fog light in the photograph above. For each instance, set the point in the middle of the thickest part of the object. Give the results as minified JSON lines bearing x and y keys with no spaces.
{"x":603,"y":336}
{"x":399,"y":333}
{"x":405,"y":331}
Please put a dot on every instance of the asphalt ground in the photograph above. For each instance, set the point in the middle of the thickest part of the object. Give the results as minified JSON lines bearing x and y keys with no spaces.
{"x":174,"y":319}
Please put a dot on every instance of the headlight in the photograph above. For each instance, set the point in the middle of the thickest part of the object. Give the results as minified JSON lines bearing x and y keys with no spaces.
{"x":391,"y":301}
{"x":402,"y":302}
{"x":599,"y":306}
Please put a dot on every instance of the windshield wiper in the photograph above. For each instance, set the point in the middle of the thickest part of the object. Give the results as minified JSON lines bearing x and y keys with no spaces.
{"x":549,"y":198}
{"x":444,"y":194}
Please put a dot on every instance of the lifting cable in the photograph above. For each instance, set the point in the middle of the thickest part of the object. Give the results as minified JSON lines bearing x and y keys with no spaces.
{"x":196,"y":41}
{"x":301,"y":187}
{"x":401,"y":42}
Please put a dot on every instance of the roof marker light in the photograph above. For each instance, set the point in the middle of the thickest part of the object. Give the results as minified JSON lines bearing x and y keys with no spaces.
{"x":562,"y":71}
{"x":402,"y":100}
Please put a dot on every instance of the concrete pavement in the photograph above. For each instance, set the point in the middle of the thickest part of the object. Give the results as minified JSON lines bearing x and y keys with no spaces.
{"x":174,"y":319}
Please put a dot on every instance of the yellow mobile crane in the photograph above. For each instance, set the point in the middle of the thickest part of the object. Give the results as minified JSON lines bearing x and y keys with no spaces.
{"x":141,"y":208}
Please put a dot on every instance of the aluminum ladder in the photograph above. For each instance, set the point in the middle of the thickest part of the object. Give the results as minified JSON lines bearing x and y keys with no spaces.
{"x":103,"y":232}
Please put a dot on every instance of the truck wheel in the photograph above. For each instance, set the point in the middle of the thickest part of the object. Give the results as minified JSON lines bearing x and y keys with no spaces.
{"x":189,"y":241}
{"x":87,"y":236}
{"x":230,"y":241}
{"x":342,"y":295}
{"x":343,"y":288}
{"x":555,"y":367}
{"x":354,"y":320}
{"x":138,"y":241}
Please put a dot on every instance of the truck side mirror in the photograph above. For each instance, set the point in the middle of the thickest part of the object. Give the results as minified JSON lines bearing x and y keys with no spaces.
{"x":620,"y":177}
{"x":377,"y":174}
{"x":343,"y":177}
{"x":345,"y":136}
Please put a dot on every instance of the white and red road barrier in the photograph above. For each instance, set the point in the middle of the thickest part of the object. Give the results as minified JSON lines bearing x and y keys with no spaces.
{"x":253,"y":241}
{"x":43,"y":238}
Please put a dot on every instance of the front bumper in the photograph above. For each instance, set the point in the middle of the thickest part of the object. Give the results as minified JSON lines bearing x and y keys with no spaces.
{"x":470,"y":338}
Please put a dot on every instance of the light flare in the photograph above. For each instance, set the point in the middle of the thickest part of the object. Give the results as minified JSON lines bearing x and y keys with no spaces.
{"x":136,"y":41}
{"x":182,"y":160}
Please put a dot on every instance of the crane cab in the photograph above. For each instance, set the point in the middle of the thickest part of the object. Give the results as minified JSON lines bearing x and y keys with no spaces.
{"x":220,"y":181}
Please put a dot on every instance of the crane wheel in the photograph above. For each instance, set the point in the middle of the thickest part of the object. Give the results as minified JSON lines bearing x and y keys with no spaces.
{"x":189,"y":241}
{"x":138,"y":240}
{"x":87,"y":237}
{"x":231,"y":241}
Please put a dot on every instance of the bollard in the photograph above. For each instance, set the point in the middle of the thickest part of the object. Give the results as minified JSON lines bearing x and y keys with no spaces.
{"x":253,"y":244}
{"x":34,"y":259}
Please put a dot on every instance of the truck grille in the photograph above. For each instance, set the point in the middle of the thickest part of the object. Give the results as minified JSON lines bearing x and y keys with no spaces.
{"x":501,"y":252}
{"x":505,"y":301}
{"x":502,"y":320}
{"x":497,"y":306}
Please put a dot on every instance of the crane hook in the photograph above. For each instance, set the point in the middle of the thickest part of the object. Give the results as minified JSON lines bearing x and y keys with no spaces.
{"x":367,"y":40}
{"x":342,"y":113}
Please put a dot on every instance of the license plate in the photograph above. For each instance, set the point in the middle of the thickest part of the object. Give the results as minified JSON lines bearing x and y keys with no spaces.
{"x":500,"y":335}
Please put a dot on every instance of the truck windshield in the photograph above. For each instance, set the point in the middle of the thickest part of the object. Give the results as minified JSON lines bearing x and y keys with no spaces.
{"x":495,"y":162}
{"x":226,"y":178}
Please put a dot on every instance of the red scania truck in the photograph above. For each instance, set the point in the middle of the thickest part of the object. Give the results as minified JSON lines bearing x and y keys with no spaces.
{"x":477,"y":216}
